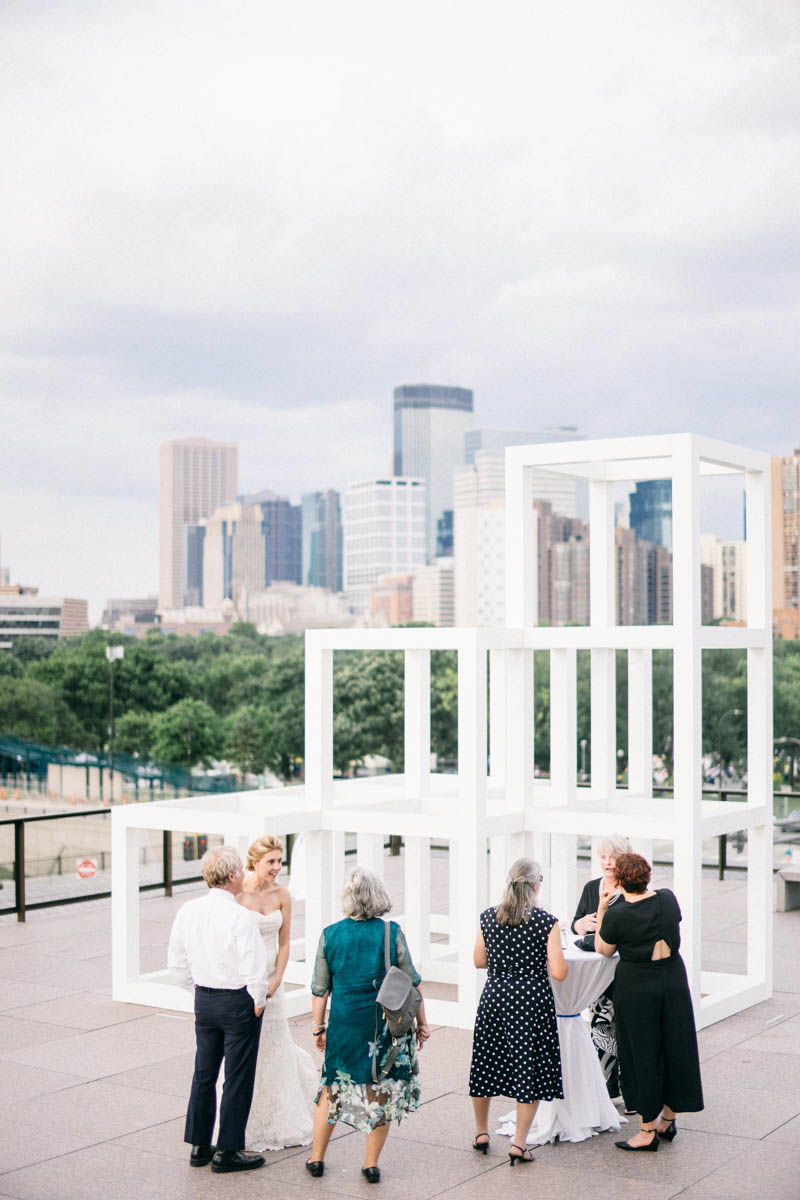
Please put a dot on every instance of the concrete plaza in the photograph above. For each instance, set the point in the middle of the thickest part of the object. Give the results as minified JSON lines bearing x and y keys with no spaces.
{"x":93,"y":1092}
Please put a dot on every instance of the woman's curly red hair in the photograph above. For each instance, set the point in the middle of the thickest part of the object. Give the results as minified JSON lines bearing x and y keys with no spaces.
{"x":632,"y":872}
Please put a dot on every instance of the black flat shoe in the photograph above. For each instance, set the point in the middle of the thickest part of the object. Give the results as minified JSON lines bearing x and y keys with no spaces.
{"x":201,"y":1156}
{"x":481,"y":1147}
{"x":524,"y":1156}
{"x":651,"y":1145}
{"x":670,"y":1133}
{"x":371,"y":1174}
{"x":235,"y":1160}
{"x":315,"y":1168}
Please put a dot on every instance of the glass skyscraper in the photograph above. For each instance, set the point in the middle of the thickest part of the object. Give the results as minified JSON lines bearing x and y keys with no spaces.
{"x":651,"y":511}
{"x":430,"y":422}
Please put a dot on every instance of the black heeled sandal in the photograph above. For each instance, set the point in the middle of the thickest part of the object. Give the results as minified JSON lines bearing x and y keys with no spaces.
{"x":651,"y":1145}
{"x":524,"y":1156}
{"x":670,"y":1133}
{"x":481,"y":1147}
{"x":316,"y":1167}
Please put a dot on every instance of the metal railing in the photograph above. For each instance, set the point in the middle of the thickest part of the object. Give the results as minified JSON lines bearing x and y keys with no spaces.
{"x":21,"y":905}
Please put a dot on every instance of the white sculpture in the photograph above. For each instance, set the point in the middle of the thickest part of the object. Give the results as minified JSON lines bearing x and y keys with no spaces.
{"x":504,"y":810}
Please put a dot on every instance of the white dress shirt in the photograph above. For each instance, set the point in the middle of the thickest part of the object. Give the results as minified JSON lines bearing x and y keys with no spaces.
{"x":216,"y":943}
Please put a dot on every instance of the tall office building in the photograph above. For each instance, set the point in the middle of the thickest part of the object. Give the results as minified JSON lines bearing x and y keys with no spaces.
{"x":434,"y":593}
{"x":567,"y":495}
{"x":233,"y":554}
{"x":282,"y":527}
{"x":429,"y":426}
{"x":651,"y":511}
{"x":479,"y":524}
{"x":383,"y":533}
{"x":786,"y":545}
{"x":322,"y":540}
{"x":197,"y":476}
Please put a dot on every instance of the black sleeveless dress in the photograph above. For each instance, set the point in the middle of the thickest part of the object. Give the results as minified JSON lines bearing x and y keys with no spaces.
{"x":656,"y":1035}
{"x":515,"y":1049}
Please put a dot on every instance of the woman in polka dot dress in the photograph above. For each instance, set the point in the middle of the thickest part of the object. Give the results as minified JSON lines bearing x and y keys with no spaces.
{"x":515,"y":1048}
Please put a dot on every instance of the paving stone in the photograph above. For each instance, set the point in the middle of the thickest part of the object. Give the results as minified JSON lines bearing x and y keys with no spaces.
{"x":91,"y":1055}
{"x":16,"y":1031}
{"x":762,"y":1169}
{"x":24,"y":1145}
{"x":98,"y":1109}
{"x":19,"y":1082}
{"x":84,"y":1010}
{"x":741,"y":1069}
{"x":16,"y":993}
{"x":753,"y":1114}
{"x":173,"y":1077}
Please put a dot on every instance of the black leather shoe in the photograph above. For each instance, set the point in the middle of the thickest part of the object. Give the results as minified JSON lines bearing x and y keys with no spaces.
{"x":201,"y":1156}
{"x":316,"y":1168}
{"x":371,"y":1174}
{"x":235,"y":1160}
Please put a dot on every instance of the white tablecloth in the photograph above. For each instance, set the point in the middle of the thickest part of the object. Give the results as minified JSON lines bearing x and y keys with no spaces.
{"x":586,"y":1108}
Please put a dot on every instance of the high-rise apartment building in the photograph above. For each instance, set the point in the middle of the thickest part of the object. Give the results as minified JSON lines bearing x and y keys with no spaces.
{"x":282,"y":527}
{"x":728,"y":564}
{"x":322,"y":540}
{"x":383,"y":533}
{"x":233,"y":554}
{"x":567,"y":495}
{"x":429,"y":426}
{"x":198,"y":475}
{"x":479,"y":528}
{"x":651,"y":511}
{"x":434,"y":593}
{"x":786,"y":545}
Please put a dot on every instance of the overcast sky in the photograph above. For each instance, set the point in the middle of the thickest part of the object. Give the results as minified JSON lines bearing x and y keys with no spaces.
{"x":251,"y":220}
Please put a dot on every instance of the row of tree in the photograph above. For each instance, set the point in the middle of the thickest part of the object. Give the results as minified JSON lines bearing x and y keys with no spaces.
{"x":188,"y":700}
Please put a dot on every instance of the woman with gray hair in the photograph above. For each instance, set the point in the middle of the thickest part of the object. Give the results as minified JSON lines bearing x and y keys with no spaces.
{"x":360,"y":1084}
{"x":603,"y":1027}
{"x":515,"y":1049}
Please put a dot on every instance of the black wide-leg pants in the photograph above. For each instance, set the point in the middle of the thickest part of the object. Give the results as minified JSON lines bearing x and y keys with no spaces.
{"x":225,"y":1027}
{"x":656,"y":1037}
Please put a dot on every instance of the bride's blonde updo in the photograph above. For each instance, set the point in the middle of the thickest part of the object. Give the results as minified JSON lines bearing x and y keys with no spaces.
{"x":260,"y":847}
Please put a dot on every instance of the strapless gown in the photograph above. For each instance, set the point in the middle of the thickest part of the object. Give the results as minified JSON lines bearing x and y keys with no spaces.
{"x":286,"y":1079}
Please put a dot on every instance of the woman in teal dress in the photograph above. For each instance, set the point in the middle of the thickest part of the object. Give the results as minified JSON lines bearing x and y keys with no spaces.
{"x":349,"y":967}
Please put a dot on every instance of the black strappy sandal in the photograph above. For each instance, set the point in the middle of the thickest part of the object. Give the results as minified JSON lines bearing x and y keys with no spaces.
{"x":481,"y":1147}
{"x":524,"y":1156}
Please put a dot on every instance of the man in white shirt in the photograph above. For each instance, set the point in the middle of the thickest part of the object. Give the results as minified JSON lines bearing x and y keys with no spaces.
{"x":216,"y":949}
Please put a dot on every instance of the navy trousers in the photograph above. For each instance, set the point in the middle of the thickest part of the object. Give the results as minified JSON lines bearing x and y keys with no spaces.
{"x":225,"y":1027}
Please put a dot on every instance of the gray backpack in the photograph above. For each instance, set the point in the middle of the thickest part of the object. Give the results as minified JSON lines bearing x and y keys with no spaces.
{"x":398,"y":1001}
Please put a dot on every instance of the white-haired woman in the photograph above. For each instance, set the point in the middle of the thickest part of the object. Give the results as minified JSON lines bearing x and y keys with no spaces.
{"x":349,"y":967}
{"x":515,"y":1049}
{"x":603,"y":1028}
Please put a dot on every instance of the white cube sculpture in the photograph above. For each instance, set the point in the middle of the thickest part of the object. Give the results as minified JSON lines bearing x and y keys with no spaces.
{"x":502,"y":810}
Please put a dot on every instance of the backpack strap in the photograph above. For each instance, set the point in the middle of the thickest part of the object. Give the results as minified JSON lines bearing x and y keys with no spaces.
{"x":395,"y":1050}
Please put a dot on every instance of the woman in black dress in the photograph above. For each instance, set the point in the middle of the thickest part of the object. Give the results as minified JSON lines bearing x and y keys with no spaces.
{"x":655,"y":1022}
{"x":515,"y":1049}
{"x":603,"y":1029}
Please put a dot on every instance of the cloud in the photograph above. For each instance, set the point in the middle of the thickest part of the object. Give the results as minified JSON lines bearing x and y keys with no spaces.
{"x":252,"y":220}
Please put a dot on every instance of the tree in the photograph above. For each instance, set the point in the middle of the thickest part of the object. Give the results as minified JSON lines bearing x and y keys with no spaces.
{"x":36,"y":713}
{"x":245,"y":740}
{"x":187,"y":733}
{"x":368,"y":693}
{"x":133,"y":733}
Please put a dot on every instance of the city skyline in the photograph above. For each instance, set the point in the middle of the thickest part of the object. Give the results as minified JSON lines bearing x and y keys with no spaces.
{"x":544,"y":204}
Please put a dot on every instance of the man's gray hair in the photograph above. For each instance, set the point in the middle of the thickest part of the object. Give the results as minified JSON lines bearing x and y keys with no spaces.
{"x":364,"y":895}
{"x":218,"y":864}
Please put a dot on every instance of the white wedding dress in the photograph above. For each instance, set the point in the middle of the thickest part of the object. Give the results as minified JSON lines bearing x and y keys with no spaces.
{"x":286,"y":1078}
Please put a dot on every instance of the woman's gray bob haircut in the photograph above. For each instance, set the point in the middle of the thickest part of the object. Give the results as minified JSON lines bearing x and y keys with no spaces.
{"x":616,"y":844}
{"x":520,"y":894}
{"x":218,"y":864}
{"x":364,"y":895}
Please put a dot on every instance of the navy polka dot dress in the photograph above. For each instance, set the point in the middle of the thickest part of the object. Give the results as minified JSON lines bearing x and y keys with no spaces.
{"x":515,"y":1048}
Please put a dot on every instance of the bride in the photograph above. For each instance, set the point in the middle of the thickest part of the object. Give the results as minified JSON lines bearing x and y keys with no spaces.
{"x":286,"y":1080}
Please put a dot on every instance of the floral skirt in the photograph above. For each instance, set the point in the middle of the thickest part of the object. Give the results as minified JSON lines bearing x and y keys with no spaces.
{"x":365,"y":1106}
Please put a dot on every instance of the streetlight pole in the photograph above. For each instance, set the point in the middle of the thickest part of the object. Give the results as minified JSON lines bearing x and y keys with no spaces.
{"x":723,"y":837}
{"x":112,"y":654}
{"x":731,"y":712}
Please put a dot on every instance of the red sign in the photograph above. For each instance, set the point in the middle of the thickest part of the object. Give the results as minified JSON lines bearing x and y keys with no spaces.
{"x":87,"y":868}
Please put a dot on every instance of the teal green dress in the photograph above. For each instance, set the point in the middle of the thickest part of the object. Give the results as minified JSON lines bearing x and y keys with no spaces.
{"x":350,"y":965}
